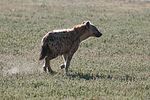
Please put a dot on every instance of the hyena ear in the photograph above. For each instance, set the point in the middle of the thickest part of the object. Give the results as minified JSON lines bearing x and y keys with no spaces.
{"x":84,"y":22}
{"x":87,"y":24}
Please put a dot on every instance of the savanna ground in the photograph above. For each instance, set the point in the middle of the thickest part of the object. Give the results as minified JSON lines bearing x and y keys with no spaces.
{"x":115,"y":66}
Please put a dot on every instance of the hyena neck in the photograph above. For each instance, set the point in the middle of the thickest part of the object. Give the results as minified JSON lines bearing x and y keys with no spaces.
{"x":84,"y":36}
{"x":79,"y":33}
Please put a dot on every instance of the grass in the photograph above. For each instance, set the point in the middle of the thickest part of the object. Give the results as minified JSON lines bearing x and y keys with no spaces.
{"x":115,"y":66}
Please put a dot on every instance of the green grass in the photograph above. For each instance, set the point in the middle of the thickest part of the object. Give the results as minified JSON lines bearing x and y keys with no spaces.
{"x":115,"y":66}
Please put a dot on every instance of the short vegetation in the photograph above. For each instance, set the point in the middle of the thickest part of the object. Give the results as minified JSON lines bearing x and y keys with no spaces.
{"x":114,"y":66}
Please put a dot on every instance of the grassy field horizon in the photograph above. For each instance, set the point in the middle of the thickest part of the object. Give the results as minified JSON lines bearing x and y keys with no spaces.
{"x":114,"y":66}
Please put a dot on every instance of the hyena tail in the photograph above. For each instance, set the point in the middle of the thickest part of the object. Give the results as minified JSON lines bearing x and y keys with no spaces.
{"x":44,"y":51}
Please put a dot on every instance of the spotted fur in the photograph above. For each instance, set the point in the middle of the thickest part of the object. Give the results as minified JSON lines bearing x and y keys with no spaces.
{"x":65,"y":42}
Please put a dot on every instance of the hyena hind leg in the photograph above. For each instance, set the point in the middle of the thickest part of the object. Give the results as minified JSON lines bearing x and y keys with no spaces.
{"x":47,"y":65}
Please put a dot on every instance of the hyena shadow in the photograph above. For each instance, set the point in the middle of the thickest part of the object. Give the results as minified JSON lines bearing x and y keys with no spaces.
{"x":94,"y":76}
{"x":88,"y":76}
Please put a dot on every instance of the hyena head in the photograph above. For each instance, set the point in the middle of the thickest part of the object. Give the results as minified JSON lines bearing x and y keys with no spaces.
{"x":92,"y":30}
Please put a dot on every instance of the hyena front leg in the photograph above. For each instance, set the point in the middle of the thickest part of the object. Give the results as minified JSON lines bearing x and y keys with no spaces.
{"x":69,"y":57}
{"x":65,"y":60}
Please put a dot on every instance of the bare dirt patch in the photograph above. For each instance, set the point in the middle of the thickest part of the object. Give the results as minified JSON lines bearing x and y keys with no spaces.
{"x":16,"y":65}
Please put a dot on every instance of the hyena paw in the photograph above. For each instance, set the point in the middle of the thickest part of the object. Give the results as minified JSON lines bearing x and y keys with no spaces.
{"x":62,"y":66}
{"x":44,"y":69}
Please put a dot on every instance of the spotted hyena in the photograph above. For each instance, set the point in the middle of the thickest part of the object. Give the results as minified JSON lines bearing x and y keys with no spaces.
{"x":65,"y":42}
